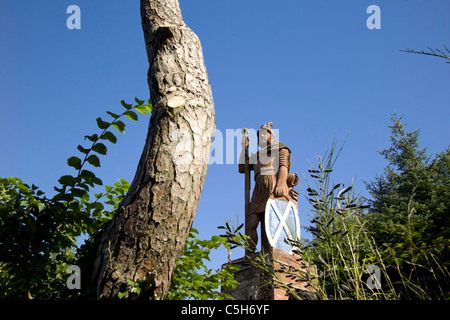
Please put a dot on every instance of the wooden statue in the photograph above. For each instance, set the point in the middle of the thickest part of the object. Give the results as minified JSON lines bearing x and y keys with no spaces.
{"x":271,"y":166}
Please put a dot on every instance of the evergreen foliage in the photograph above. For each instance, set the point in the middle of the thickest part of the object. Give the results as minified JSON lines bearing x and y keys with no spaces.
{"x":410,"y":208}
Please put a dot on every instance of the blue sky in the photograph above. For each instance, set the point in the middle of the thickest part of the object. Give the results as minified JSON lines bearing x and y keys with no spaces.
{"x":313,"y":68}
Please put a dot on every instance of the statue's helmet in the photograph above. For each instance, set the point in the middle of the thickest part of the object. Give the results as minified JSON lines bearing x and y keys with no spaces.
{"x":268,"y":127}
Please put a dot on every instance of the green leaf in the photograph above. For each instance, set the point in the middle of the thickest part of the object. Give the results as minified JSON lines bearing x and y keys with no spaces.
{"x":119,"y":126}
{"x":131,"y":115}
{"x":97,"y":181}
{"x":108,"y":135}
{"x":100,"y":148}
{"x":102,"y":124}
{"x":92,"y":138}
{"x":126,"y":105}
{"x":74,"y":162}
{"x":122,"y":294}
{"x":85,"y":185}
{"x":78,"y":193}
{"x":123,"y":184}
{"x":149,"y":106}
{"x":41,"y":206}
{"x":67,"y":180}
{"x":139,"y":102}
{"x":90,"y":178}
{"x":115,"y":116}
{"x":83,"y":150}
{"x":94,"y":160}
{"x":86,"y":174}
{"x":141,"y":108}
{"x":98,"y":208}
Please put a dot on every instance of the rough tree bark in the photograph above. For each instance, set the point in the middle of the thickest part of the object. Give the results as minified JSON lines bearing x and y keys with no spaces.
{"x":147,"y":234}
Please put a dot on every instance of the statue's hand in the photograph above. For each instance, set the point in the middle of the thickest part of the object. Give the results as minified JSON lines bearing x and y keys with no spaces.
{"x":279,"y":191}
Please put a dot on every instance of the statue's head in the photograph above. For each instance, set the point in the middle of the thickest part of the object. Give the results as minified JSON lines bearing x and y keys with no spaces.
{"x":265,"y":135}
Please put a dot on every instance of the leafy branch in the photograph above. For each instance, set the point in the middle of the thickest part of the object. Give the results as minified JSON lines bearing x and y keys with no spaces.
{"x":79,"y":185}
{"x":192,"y":279}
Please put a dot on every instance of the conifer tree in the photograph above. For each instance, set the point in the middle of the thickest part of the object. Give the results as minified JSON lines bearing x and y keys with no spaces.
{"x":410,"y":206}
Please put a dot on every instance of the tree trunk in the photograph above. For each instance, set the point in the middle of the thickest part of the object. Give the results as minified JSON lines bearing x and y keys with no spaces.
{"x":146,"y":236}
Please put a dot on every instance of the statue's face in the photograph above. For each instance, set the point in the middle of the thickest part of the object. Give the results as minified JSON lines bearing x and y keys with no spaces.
{"x":264,"y":138}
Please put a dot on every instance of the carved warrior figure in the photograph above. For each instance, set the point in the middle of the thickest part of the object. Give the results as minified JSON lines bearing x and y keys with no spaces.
{"x":271,"y":166}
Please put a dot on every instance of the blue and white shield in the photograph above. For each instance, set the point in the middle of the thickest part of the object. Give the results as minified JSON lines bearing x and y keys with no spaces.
{"x":281,"y":223}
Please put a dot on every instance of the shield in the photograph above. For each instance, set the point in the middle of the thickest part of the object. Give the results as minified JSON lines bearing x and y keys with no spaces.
{"x":281,"y":223}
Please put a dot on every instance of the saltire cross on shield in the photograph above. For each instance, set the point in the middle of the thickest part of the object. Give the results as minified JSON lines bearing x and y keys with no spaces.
{"x":281,"y":224}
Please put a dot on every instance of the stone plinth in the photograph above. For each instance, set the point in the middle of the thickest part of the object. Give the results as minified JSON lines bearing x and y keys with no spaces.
{"x":256,"y":283}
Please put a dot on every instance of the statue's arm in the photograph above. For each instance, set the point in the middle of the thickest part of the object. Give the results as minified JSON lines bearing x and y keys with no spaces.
{"x":283,"y":173}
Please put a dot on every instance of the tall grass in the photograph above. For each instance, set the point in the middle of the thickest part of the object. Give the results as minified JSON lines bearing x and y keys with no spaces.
{"x":347,"y":262}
